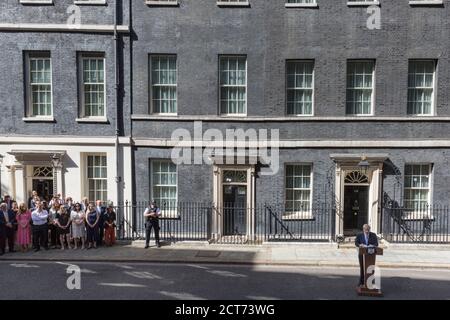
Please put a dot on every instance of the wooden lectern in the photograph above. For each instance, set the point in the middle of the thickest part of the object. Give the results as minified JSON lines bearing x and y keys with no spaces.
{"x":369,"y":254}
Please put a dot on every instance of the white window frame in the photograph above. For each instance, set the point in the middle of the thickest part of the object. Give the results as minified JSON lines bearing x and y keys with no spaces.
{"x":86,"y":187}
{"x":372,"y":107}
{"x":151,"y":56}
{"x":299,"y":215}
{"x":82,"y":105}
{"x":414,"y":214}
{"x":434,"y":86}
{"x":171,"y":213}
{"x":312,"y":88}
{"x":244,"y":114}
{"x":29,"y":116}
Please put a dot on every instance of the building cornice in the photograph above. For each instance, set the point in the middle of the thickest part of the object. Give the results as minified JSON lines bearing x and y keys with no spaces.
{"x":168,"y":143}
{"x":63,"y":140}
{"x":216,"y":118}
{"x":63,"y":27}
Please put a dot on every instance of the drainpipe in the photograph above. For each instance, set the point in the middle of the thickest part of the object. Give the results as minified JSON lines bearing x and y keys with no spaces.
{"x":117,"y":92}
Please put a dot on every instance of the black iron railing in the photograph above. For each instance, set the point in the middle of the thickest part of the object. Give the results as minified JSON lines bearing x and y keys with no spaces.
{"x":427,"y":224}
{"x":233,"y":223}
{"x":229,"y":223}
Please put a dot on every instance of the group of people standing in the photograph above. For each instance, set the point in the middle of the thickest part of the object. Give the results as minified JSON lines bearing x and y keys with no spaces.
{"x":59,"y":223}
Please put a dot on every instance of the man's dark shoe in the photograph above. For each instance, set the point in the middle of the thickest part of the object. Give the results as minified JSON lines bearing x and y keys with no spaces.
{"x":146,"y":246}
{"x":158,"y":245}
{"x":37,"y":249}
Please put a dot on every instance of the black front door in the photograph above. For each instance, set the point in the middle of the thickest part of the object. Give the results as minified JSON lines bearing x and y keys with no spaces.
{"x":44,"y":188}
{"x":234,"y":209}
{"x":356,"y":209}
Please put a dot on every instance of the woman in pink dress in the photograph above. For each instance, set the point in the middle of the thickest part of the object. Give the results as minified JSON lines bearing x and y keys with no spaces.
{"x":24,"y":227}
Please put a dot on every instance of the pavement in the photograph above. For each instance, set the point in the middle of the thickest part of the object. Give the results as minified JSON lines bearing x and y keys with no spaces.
{"x":286,"y":254}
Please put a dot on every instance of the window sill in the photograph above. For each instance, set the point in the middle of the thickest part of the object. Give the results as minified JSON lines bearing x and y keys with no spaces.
{"x":92,"y":120}
{"x":363,"y":3}
{"x":162,"y":3}
{"x":233,"y":4}
{"x":169,"y":115}
{"x":87,"y":3}
{"x":301,"y":5}
{"x":38,"y":119}
{"x":426,"y":3}
{"x":239,"y":116}
{"x":297,"y":216}
{"x":36,"y":2}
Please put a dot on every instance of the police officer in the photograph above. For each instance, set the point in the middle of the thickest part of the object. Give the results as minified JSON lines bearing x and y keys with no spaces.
{"x":151,"y":216}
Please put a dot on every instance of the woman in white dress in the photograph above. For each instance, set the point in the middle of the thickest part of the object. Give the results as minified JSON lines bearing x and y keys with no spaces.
{"x":78,"y":227}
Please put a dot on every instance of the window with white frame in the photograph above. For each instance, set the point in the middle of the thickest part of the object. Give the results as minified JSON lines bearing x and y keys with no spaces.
{"x":163,"y":80}
{"x":233,"y":85}
{"x":360,"y":82}
{"x":421,"y":74}
{"x":298,"y":191}
{"x":97,"y":177}
{"x":300,"y":87}
{"x":417,"y":186}
{"x":39,"y":85}
{"x":164,"y":184}
{"x":93,"y":91}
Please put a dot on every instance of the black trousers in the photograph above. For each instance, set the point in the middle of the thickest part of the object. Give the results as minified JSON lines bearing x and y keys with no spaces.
{"x":149,"y":225}
{"x":101,"y":234}
{"x":40,"y":236}
{"x":361,"y":269}
{"x":6,"y":234}
{"x":53,"y":234}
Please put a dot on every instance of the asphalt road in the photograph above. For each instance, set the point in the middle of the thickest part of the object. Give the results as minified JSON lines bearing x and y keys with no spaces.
{"x":47,"y":280}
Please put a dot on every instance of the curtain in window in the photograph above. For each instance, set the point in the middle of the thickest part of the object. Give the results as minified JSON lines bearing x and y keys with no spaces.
{"x":359,"y":87}
{"x":164,"y":84}
{"x":233,"y":85}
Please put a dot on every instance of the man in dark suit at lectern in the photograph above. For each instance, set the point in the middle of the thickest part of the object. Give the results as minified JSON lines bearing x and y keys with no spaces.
{"x":365,"y":239}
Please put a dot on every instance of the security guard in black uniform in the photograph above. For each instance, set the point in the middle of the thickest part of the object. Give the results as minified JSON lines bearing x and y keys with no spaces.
{"x":151,"y":216}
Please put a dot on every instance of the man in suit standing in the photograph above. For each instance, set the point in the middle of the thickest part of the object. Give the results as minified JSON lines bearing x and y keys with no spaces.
{"x":364,"y":239}
{"x":7,"y":223}
{"x":101,"y":210}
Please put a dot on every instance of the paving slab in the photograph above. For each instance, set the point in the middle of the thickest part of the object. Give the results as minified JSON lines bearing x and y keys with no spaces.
{"x":318,"y":255}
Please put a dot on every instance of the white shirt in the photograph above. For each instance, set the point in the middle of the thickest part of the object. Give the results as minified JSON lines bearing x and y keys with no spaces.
{"x":6,"y":215}
{"x":148,"y":210}
{"x":39,"y":217}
